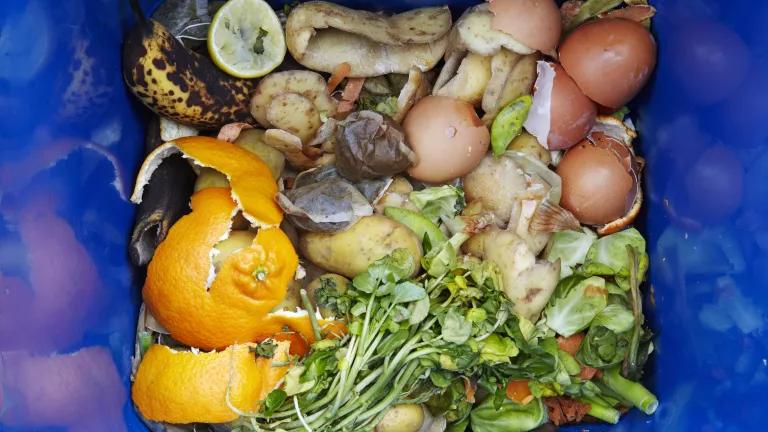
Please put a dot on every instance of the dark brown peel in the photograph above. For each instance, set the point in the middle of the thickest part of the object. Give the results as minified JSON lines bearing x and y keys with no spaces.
{"x":165,"y":200}
{"x":180,"y":84}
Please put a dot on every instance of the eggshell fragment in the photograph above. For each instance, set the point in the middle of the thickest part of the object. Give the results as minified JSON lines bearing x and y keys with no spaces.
{"x":610,"y":59}
{"x":596,"y":182}
{"x":448,"y":137}
{"x":560,"y":115}
{"x":535,"y":23}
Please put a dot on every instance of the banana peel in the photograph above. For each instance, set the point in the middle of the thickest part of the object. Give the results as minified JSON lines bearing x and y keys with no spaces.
{"x":178,"y":83}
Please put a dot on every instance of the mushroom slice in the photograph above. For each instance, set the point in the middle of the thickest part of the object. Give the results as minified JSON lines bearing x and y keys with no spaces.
{"x":321,"y":35}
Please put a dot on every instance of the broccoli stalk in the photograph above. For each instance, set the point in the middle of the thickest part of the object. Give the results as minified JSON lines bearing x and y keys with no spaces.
{"x":631,"y":391}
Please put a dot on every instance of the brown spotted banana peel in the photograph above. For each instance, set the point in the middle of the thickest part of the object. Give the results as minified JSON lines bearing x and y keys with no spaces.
{"x":179,"y":84}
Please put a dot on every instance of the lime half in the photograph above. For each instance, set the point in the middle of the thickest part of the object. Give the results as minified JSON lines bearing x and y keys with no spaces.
{"x":245,"y":38}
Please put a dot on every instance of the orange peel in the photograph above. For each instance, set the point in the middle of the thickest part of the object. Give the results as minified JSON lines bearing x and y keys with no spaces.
{"x":209,"y":310}
{"x":187,"y":387}
{"x":253,"y":187}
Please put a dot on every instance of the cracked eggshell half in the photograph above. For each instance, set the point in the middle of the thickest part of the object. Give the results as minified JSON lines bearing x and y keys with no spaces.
{"x":448,"y":137}
{"x":561,"y":115}
{"x":610,"y":59}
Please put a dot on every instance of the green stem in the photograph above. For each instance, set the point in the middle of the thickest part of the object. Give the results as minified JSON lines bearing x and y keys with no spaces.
{"x":344,"y":373}
{"x":630,"y":363}
{"x":571,"y":365}
{"x":315,"y":405}
{"x":311,"y":312}
{"x":362,"y":412}
{"x":632,"y":391}
{"x":360,"y":361}
{"x":600,"y":411}
{"x":368,"y":380}
{"x":384,"y":380}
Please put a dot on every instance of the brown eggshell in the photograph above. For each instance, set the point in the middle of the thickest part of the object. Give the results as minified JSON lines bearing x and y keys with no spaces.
{"x":561,"y":115}
{"x":610,"y":59}
{"x":534,"y":23}
{"x":448,"y":137}
{"x":598,"y":187}
{"x":573,"y":114}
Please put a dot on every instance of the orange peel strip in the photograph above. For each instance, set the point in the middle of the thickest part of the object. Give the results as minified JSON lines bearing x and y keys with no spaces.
{"x":238,"y":306}
{"x":253,"y":187}
{"x":186,"y":387}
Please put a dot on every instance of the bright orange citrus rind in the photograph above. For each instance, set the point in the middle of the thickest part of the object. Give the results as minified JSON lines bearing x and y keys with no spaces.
{"x":184,"y":387}
{"x":253,"y":187}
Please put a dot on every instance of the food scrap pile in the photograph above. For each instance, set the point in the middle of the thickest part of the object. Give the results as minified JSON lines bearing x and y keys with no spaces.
{"x":356,"y":221}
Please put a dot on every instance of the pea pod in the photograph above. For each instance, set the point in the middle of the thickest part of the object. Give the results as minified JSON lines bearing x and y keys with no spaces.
{"x":509,"y":123}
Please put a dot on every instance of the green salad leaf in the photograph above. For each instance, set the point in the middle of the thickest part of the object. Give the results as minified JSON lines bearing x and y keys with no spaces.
{"x":498,"y":349}
{"x":456,"y":329}
{"x":615,"y":317}
{"x":438,"y":202}
{"x":608,"y":256}
{"x":384,"y":104}
{"x":509,"y":417}
{"x":571,"y":248}
{"x":603,"y":347}
{"x":575,"y":303}
{"x":508,"y":124}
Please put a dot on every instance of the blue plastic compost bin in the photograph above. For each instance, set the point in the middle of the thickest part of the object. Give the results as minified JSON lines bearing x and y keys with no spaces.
{"x":71,"y":139}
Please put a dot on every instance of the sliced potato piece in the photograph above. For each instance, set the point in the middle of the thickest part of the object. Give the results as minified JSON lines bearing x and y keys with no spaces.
{"x":291,"y":147}
{"x":309,"y":84}
{"x":502,"y":65}
{"x":476,"y":33}
{"x":518,"y":83}
{"x":294,"y":113}
{"x":521,"y":81}
{"x":336,"y":281}
{"x":470,"y":81}
{"x":234,"y":242}
{"x":527,"y":143}
{"x":378,"y":85}
{"x":533,"y":287}
{"x":253,"y":141}
{"x":482,"y":185}
{"x":396,"y":195}
{"x":350,"y":252}
{"x":210,"y":178}
{"x":414,"y":89}
{"x":321,"y":35}
{"x":527,"y":282}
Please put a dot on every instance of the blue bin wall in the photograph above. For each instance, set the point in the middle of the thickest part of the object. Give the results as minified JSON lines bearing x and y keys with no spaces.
{"x":71,"y":139}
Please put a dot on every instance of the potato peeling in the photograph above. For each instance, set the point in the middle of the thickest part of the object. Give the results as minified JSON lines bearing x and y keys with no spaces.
{"x":322,"y":35}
